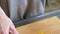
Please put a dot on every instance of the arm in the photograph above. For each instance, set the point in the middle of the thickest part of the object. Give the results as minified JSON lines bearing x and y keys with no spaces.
{"x":6,"y":24}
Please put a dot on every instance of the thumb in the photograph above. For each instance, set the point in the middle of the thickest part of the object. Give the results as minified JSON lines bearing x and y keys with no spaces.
{"x":13,"y":30}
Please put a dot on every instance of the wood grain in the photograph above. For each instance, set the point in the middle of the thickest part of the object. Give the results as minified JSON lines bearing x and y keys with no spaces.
{"x":46,"y":26}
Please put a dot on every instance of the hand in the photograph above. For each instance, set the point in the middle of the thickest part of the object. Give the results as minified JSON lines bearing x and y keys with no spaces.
{"x":6,"y":25}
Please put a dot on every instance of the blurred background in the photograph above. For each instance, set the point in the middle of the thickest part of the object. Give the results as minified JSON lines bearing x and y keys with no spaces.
{"x":49,"y":6}
{"x":52,"y":5}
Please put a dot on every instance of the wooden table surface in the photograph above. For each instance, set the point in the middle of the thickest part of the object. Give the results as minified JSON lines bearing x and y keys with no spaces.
{"x":46,"y":26}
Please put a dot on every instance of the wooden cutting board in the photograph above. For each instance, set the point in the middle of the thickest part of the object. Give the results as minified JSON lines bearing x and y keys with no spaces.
{"x":47,"y":26}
